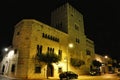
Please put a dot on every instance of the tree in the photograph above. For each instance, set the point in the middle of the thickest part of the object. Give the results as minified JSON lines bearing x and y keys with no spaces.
{"x":76,"y":62}
{"x":96,"y":63}
{"x":48,"y":58}
{"x":114,"y":63}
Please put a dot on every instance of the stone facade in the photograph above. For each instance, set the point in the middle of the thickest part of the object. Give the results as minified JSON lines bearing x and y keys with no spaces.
{"x":67,"y":28}
{"x":33,"y":34}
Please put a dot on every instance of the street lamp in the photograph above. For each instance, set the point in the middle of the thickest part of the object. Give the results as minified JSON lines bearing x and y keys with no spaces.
{"x":70,"y":45}
{"x":106,"y":57}
{"x":6,"y":49}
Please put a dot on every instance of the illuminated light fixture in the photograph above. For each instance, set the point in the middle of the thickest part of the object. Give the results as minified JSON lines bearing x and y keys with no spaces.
{"x":106,"y":57}
{"x":6,"y":49}
{"x":70,"y":45}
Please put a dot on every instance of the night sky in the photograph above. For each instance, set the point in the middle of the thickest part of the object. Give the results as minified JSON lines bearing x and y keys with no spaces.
{"x":100,"y":20}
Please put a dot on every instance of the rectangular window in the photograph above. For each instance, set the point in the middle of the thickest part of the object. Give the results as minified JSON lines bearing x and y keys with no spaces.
{"x":59,"y":70}
{"x":77,"y":40}
{"x":37,"y":69}
{"x":76,"y":27}
{"x":15,"y":51}
{"x":43,"y":34}
{"x":60,"y":53}
{"x":13,"y":68}
{"x":50,"y":50}
{"x":53,"y":50}
{"x":3,"y":68}
{"x":18,"y":33}
{"x":39,"y":49}
{"x":61,"y":24}
{"x":88,"y":52}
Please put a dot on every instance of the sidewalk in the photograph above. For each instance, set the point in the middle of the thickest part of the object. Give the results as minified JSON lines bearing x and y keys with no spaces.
{"x":11,"y":78}
{"x":81,"y":77}
{"x":50,"y":78}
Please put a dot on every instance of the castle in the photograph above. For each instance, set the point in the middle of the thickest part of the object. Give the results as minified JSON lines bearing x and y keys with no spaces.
{"x":67,"y":28}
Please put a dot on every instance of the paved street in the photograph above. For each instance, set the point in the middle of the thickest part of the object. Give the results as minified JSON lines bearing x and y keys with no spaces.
{"x":82,"y":77}
{"x":102,"y":77}
{"x":7,"y":78}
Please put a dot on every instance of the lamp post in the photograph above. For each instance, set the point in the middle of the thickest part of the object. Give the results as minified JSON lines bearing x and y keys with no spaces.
{"x":70,"y":45}
{"x":107,"y":63}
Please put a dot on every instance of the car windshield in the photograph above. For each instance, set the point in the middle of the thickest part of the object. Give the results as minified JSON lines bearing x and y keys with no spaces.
{"x":70,"y":72}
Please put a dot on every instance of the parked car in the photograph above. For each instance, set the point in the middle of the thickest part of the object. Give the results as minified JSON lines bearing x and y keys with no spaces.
{"x":68,"y":75}
{"x":118,"y":72}
{"x":93,"y":72}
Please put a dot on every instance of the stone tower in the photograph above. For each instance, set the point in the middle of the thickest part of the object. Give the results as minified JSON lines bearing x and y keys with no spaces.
{"x":69,"y":20}
{"x":67,"y":27}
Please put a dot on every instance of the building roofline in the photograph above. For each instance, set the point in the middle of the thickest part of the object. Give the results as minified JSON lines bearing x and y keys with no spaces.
{"x":36,"y":21}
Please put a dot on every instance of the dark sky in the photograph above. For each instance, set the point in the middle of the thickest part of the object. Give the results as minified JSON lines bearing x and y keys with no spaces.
{"x":100,"y":20}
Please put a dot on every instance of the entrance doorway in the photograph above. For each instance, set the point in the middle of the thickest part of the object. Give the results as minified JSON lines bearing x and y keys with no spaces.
{"x":50,"y":70}
{"x":3,"y":69}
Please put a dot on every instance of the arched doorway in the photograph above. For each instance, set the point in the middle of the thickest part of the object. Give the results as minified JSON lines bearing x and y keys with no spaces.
{"x":50,"y":70}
